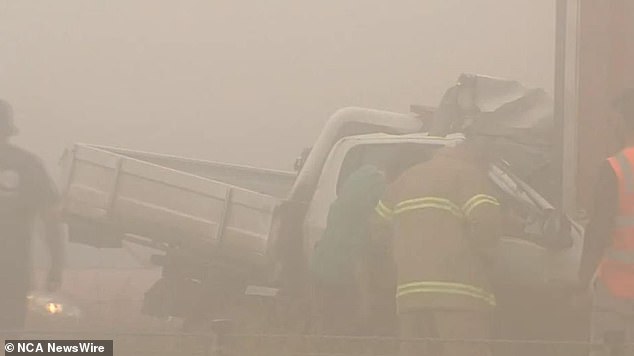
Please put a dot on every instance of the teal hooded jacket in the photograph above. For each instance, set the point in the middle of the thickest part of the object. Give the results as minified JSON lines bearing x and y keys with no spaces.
{"x":346,"y":237}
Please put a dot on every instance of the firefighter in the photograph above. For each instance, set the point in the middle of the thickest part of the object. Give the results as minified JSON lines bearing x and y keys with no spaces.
{"x":607,"y":263}
{"x":26,"y":191}
{"x":441,"y":215}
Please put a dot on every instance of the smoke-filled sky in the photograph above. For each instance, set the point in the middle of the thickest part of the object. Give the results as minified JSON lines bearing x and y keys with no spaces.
{"x":248,"y":82}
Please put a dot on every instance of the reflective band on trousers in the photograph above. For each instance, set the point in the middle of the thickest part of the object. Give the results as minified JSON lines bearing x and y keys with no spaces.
{"x":446,"y":288}
{"x":620,"y":256}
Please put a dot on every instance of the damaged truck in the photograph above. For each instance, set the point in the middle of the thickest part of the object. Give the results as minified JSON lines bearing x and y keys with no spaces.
{"x":233,"y":242}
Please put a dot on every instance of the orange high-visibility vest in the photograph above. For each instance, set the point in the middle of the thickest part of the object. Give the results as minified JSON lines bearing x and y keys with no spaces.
{"x":617,"y":268}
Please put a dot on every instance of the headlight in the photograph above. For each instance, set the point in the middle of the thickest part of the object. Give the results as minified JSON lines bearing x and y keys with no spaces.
{"x":54,"y":308}
{"x":50,"y":305}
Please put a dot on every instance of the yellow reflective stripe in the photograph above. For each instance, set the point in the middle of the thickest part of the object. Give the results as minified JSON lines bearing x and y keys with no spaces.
{"x":382,"y":214}
{"x":427,"y":206}
{"x":384,"y":208}
{"x":445,"y":287}
{"x":439,"y":203}
{"x":478,"y":200}
{"x":473,"y":200}
{"x":441,"y":284}
{"x":427,"y":202}
{"x":489,"y":300}
{"x":484,"y":201}
{"x":383,"y":211}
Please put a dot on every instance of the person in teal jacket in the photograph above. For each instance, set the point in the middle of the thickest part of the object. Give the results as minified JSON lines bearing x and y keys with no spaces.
{"x":339,"y":258}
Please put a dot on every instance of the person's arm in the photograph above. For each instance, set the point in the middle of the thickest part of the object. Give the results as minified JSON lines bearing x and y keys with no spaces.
{"x":599,"y":230}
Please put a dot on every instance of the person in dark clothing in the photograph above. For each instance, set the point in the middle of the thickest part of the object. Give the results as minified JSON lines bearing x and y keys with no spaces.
{"x":26,"y":193}
{"x":354,"y":276}
{"x":607,"y":263}
{"x":339,"y":257}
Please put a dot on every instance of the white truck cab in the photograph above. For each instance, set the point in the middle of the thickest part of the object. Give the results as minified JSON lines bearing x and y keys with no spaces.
{"x":519,"y":261}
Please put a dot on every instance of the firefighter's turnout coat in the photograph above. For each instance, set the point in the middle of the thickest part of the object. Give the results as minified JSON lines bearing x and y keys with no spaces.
{"x":442,"y":215}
